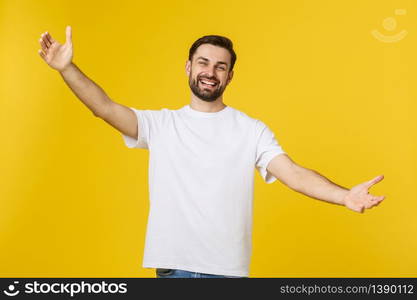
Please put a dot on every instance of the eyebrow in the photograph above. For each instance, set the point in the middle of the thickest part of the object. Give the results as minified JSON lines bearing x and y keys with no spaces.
{"x":206,"y":59}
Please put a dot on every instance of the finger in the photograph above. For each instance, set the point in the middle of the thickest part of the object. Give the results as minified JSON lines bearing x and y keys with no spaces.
{"x":374,"y":201}
{"x":369,"y":205}
{"x":68,"y":34}
{"x":377,"y":198}
{"x":43,"y":45}
{"x":375,"y":204}
{"x":380,"y":198}
{"x":49,"y":37}
{"x":45,"y":40}
{"x":377,"y":179}
{"x":42,"y":54}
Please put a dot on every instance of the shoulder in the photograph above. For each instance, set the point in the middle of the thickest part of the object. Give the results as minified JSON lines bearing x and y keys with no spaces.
{"x":244,"y":116}
{"x":258,"y":126}
{"x":156,"y":113}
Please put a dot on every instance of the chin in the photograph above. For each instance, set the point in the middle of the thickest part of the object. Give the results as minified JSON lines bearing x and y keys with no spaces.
{"x":207,"y":100}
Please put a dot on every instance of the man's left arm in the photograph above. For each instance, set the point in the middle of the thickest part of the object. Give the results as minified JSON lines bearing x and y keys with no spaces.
{"x":315,"y":185}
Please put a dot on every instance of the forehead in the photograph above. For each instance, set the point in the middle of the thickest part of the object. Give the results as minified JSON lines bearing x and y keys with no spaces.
{"x":213,"y":53}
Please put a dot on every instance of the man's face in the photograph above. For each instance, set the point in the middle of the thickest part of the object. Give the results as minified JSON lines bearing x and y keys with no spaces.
{"x":209,"y":72}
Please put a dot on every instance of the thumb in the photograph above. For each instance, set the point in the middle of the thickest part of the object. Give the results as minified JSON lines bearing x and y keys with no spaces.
{"x":371,"y":182}
{"x":68,"y":35}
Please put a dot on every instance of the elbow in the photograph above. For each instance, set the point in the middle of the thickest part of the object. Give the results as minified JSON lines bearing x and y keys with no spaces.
{"x":101,"y":112}
{"x":101,"y":109}
{"x":96,"y":114}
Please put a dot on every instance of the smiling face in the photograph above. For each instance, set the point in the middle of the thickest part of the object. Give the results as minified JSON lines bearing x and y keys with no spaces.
{"x":209,"y":72}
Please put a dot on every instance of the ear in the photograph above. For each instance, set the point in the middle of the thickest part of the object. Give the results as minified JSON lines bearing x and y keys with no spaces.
{"x":230,"y":76}
{"x":188,"y":68}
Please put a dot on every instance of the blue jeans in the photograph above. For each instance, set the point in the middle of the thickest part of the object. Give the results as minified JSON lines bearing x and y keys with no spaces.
{"x":175,"y":273}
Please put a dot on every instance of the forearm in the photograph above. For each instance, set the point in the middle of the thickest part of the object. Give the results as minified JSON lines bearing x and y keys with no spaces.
{"x":314,"y":185}
{"x":92,"y":95}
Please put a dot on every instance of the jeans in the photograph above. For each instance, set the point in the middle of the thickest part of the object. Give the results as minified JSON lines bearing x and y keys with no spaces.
{"x":175,"y":273}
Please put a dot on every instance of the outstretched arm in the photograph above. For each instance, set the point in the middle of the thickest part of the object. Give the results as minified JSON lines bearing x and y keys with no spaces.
{"x":59,"y":57}
{"x":314,"y":185}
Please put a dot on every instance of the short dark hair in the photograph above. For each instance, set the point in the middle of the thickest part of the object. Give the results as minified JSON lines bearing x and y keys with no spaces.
{"x":216,"y":40}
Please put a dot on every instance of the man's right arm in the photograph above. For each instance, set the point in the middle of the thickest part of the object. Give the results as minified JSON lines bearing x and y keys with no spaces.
{"x":93,"y":96}
{"x":59,"y":57}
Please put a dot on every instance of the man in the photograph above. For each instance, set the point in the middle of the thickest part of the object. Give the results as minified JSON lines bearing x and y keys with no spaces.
{"x":201,"y":168}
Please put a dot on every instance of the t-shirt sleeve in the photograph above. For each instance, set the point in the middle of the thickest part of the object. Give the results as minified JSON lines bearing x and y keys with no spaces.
{"x":266,"y":149}
{"x":147,"y":126}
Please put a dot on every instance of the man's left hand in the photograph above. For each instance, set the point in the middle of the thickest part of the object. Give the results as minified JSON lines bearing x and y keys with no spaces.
{"x":358,"y":199}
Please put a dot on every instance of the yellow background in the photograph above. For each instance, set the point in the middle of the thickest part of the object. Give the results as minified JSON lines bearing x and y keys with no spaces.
{"x":74,"y":199}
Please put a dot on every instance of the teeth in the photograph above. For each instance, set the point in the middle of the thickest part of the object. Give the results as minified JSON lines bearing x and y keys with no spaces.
{"x":210,"y":83}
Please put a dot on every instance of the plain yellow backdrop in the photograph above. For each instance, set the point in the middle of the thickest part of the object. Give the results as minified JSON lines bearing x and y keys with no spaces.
{"x":74,"y":199}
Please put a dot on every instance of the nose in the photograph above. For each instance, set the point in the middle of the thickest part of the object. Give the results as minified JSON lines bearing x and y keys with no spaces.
{"x":209,"y":72}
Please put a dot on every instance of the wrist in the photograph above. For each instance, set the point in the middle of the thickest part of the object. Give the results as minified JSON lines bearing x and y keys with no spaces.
{"x":343,"y":197}
{"x":66,"y":68}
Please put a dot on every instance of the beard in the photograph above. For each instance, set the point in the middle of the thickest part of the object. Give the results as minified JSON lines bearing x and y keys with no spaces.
{"x":206,"y":94}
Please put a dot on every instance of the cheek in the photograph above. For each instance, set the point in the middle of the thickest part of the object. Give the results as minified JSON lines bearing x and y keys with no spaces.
{"x":195,"y":74}
{"x":224,"y":80}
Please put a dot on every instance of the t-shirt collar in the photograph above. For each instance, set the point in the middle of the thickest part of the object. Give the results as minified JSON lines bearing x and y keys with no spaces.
{"x":187,"y":108}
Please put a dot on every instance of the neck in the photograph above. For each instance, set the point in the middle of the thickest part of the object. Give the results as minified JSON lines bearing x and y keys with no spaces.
{"x":205,"y":106}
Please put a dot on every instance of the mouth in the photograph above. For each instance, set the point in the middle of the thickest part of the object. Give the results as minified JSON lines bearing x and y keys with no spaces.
{"x":210,"y":84}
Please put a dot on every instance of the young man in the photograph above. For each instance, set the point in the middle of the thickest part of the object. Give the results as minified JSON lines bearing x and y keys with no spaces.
{"x":201,"y":168}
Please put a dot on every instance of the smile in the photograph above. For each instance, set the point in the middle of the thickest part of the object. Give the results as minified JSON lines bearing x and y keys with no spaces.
{"x":208,"y":83}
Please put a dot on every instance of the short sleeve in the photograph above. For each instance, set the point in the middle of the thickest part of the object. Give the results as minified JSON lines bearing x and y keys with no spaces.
{"x":148,"y":124}
{"x":266,"y":149}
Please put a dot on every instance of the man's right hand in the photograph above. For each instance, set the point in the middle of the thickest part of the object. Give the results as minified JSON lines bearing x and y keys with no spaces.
{"x":57,"y":56}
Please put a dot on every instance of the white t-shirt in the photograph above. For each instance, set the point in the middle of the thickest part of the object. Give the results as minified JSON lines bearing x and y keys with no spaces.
{"x":201,"y":179}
